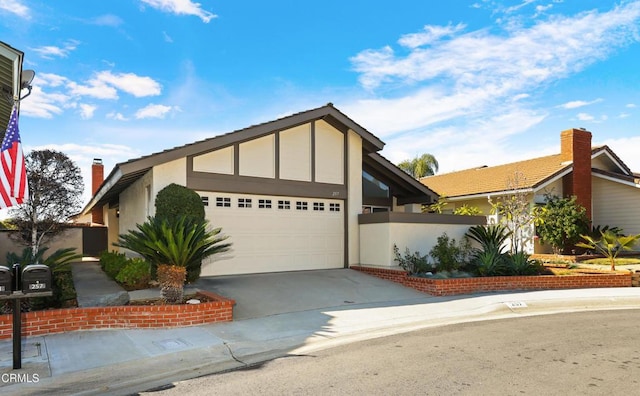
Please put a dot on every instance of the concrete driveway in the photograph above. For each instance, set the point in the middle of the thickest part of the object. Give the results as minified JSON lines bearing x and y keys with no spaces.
{"x":260,"y":295}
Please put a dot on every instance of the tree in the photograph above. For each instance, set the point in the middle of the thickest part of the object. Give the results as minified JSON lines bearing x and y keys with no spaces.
{"x":609,"y":244}
{"x":560,"y":222}
{"x":424,"y":165}
{"x":514,"y":212}
{"x":173,"y":245}
{"x":55,"y":189}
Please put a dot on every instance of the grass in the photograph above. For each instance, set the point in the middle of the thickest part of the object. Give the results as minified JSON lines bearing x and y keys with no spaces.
{"x":605,"y":261}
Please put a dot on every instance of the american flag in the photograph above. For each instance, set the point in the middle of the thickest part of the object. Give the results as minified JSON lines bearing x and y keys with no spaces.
{"x":13,"y":176}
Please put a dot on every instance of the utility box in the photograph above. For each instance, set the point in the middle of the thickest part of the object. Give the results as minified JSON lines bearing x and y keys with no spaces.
{"x":36,"y":278}
{"x":6,"y":281}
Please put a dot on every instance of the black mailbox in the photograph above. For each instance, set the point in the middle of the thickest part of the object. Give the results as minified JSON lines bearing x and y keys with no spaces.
{"x":6,"y":281}
{"x":36,"y":278}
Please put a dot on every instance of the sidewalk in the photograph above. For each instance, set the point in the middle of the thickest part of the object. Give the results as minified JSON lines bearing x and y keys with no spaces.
{"x":127,"y":361}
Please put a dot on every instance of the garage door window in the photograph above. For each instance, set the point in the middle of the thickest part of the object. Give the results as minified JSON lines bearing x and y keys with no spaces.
{"x":264,"y":203}
{"x":223,"y":202}
{"x":334,"y":207}
{"x":300,"y":205}
{"x":284,"y":205}
{"x":319,"y":206}
{"x":244,"y":202}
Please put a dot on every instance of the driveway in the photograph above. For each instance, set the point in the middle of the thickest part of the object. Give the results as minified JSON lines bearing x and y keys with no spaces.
{"x":260,"y":295}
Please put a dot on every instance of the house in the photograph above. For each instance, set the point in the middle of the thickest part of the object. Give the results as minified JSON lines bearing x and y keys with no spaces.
{"x":288,"y":192}
{"x":599,"y":179}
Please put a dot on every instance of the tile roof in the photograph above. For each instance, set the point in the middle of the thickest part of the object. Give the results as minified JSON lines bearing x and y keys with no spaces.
{"x":483,"y":180}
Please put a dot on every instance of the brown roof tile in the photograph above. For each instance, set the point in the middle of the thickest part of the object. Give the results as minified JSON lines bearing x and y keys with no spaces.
{"x":496,"y":178}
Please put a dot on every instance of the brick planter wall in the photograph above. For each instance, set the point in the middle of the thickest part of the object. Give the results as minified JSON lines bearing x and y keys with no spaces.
{"x":450,"y":287}
{"x":219,"y":309}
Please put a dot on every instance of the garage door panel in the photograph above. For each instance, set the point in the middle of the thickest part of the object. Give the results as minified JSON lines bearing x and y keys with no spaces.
{"x":272,"y":239}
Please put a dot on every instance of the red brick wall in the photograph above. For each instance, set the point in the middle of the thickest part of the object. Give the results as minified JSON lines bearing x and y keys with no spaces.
{"x":219,"y":309}
{"x":450,"y":287}
{"x":97,"y":177}
{"x":575,"y":146}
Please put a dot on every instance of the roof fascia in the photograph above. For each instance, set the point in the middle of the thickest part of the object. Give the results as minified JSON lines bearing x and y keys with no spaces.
{"x":108,"y":183}
{"x":488,"y":194}
{"x":613,"y":157}
{"x":615,"y":180}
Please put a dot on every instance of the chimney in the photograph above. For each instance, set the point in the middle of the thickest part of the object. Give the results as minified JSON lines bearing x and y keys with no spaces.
{"x":575,"y":146}
{"x":97,"y":177}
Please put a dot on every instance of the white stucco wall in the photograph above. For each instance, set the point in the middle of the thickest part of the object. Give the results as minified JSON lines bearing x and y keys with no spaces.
{"x":218,"y":161}
{"x":295,"y":153}
{"x":165,"y":174}
{"x":354,"y":144}
{"x":616,"y":205}
{"x":257,"y":157}
{"x":329,"y":154}
{"x":377,"y":240}
{"x":134,"y":203}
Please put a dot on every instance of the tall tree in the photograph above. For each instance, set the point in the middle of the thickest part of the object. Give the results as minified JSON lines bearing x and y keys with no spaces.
{"x":55,"y":189}
{"x":424,"y":165}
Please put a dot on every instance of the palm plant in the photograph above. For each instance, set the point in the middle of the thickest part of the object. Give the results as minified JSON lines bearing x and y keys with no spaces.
{"x":424,"y":165}
{"x":609,"y":245}
{"x":58,"y":261}
{"x":174,"y":245}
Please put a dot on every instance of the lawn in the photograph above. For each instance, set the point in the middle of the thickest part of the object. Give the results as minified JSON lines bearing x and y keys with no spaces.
{"x":619,"y":261}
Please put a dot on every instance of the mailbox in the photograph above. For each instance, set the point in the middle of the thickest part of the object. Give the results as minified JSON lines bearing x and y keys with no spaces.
{"x":36,"y":278}
{"x":6,"y":281}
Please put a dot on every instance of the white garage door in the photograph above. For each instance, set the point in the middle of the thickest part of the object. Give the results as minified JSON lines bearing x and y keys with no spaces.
{"x":272,"y":234}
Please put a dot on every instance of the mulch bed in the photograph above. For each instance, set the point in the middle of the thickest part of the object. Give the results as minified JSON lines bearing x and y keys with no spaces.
{"x":160,"y":301}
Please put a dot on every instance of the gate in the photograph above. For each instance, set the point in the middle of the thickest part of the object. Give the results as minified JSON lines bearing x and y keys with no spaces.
{"x":94,"y":241}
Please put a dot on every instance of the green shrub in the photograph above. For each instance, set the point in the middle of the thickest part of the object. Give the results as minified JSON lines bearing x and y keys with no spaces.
{"x":413,"y":263}
{"x":112,"y":263}
{"x":520,"y":263}
{"x":175,"y":200}
{"x":135,"y":274}
{"x":449,"y":255}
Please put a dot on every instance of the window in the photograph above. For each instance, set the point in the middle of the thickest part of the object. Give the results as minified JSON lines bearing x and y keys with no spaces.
{"x":223,"y":202}
{"x":244,"y":202}
{"x":318,"y":206}
{"x":284,"y":204}
{"x":205,"y":201}
{"x":301,"y":205}
{"x":264,"y":203}
{"x":334,"y":207}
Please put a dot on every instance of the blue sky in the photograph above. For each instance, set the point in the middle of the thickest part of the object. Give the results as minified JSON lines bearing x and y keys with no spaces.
{"x":479,"y":82}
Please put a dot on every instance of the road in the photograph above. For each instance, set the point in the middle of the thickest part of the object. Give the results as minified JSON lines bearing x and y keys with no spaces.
{"x":587,"y":353}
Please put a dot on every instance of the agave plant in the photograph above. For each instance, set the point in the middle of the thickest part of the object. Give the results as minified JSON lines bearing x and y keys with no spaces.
{"x":609,"y":245}
{"x":491,"y":237}
{"x":174,"y":245}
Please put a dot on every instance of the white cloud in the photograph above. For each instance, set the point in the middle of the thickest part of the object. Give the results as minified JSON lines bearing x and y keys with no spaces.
{"x":585,"y":117}
{"x":181,"y":7}
{"x":630,"y":105}
{"x":94,"y":88}
{"x":578,"y":103}
{"x":167,"y":38}
{"x":117,"y":116}
{"x":50,"y":51}
{"x":87,"y":110}
{"x":107,"y":20}
{"x":623,"y":115}
{"x":49,"y":80}
{"x":138,"y":86}
{"x":153,"y":111}
{"x":430,"y":35}
{"x":16,"y":7}
{"x":43,"y":105}
{"x":626,"y":149}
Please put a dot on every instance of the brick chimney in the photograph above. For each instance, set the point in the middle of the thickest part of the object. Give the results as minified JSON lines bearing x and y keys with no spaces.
{"x":575,"y":146}
{"x":97,"y":177}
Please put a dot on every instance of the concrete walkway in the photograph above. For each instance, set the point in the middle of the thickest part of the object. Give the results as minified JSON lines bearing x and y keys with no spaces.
{"x":94,"y":288}
{"x":128,"y":361}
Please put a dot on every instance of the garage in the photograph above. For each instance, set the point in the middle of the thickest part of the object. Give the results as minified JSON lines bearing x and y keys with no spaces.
{"x":274,"y":233}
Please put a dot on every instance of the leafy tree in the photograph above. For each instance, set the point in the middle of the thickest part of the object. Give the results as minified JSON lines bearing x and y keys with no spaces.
{"x":173,"y":246}
{"x":424,"y":165}
{"x":561,"y":222}
{"x":466,"y":210}
{"x":515,"y":213}
{"x":436,"y":207}
{"x":609,"y":244}
{"x":175,"y":200}
{"x":55,"y":189}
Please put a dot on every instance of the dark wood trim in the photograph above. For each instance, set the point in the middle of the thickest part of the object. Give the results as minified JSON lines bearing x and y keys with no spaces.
{"x":236,"y":159}
{"x":276,"y":155}
{"x":419,"y":218}
{"x":201,"y":181}
{"x":313,"y":151}
{"x":345,"y":180}
{"x":377,"y":201}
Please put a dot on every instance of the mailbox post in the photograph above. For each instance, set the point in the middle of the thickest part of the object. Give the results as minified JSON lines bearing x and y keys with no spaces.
{"x":33,"y":281}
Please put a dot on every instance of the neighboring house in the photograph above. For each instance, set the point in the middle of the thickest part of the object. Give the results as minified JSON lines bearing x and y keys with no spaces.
{"x":599,"y":179}
{"x":288,"y":192}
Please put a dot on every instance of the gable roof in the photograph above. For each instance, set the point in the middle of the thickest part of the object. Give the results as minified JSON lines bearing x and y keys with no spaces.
{"x":533,"y":174}
{"x":126,"y":173}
